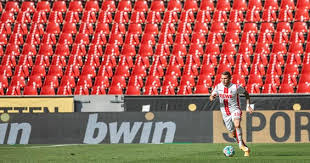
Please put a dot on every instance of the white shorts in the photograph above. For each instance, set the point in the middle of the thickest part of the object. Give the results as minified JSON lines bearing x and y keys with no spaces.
{"x":228,"y":119}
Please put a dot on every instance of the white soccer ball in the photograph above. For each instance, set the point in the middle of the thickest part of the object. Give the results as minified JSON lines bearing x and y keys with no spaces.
{"x":229,"y":151}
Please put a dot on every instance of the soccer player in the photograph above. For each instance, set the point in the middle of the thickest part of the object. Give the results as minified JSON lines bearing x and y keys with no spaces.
{"x":230,"y":107}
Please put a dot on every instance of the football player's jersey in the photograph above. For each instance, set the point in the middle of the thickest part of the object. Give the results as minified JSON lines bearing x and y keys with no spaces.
{"x":229,"y":97}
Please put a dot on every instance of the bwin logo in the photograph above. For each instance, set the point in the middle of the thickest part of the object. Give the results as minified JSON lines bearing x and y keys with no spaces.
{"x":15,"y":128}
{"x":129,"y":132}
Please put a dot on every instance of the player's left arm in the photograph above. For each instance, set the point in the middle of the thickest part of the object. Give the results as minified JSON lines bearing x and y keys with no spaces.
{"x":248,"y":102}
{"x":241,"y":90}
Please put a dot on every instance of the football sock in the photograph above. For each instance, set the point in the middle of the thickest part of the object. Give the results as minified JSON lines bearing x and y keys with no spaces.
{"x":239,"y":136}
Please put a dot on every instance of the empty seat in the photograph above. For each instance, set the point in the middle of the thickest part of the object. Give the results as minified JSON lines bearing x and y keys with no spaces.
{"x":286,"y":88}
{"x":47,"y":90}
{"x":202,"y":89}
{"x":303,"y":88}
{"x":269,"y":89}
{"x":133,"y":90}
{"x":184,"y":90}
{"x":30,"y":90}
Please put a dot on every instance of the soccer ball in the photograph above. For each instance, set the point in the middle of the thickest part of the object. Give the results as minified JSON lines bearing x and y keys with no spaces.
{"x":229,"y":151}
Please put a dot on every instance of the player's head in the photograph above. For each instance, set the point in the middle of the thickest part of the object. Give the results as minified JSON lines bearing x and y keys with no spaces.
{"x":225,"y":78}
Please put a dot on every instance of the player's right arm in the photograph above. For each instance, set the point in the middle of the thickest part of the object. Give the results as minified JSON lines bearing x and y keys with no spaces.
{"x":214,"y":94}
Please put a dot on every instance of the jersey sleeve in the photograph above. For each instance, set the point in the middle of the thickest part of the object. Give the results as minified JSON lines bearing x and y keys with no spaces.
{"x":215,"y":91}
{"x":240,"y":89}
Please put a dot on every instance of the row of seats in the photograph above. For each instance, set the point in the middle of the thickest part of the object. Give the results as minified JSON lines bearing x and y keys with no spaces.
{"x":158,"y":5}
{"x":152,"y":86}
{"x":153,"y":47}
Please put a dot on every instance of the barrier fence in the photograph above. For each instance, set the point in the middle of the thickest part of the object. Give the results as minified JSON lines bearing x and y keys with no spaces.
{"x":151,"y":127}
{"x":36,"y":104}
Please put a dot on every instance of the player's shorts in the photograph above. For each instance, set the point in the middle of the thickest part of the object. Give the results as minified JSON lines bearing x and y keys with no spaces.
{"x":228,"y":119}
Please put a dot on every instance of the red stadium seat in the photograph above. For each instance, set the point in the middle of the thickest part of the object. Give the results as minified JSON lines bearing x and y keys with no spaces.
{"x":43,"y":6}
{"x":204,"y":16}
{"x":42,"y":60}
{"x":38,"y":70}
{"x":188,"y":80}
{"x":76,"y":6}
{"x":13,"y":90}
{"x":204,"y":80}
{"x":241,"y":69}
{"x":255,"y":79}
{"x":170,"y":80}
{"x":51,"y":80}
{"x":272,"y":79}
{"x":18,"y":81}
{"x":105,"y":70}
{"x":269,"y":89}
{"x":47,"y":90}
{"x":59,"y":60}
{"x":55,"y":17}
{"x":207,"y":5}
{"x":255,"y":4}
{"x":240,"y":5}
{"x":286,"y":88}
{"x":92,"y":6}
{"x":289,"y":79}
{"x":253,"y":88}
{"x":21,"y":70}
{"x":274,"y":69}
{"x":119,"y":80}
{"x":108,"y":6}
{"x":304,"y":78}
{"x":85,"y":80}
{"x":81,"y":90}
{"x":64,"y":90}
{"x":285,"y":15}
{"x":136,"y":80}
{"x":141,"y":6}
{"x":167,"y":90}
{"x":4,"y":81}
{"x":68,"y":81}
{"x":153,"y":81}
{"x":238,"y":79}
{"x":303,"y":88}
{"x":301,"y":15}
{"x":133,"y":90}
{"x":303,"y":4}
{"x":220,"y":16}
{"x":30,"y":90}
{"x":35,"y":80}
{"x":139,"y":70}
{"x":150,"y":90}
{"x":154,"y":17}
{"x":60,"y":6}
{"x":224,"y":67}
{"x":243,"y":59}
{"x":258,"y":69}
{"x":291,"y":69}
{"x":185,"y":90}
{"x":12,"y":6}
{"x":6,"y":70}
{"x":98,"y":90}
{"x":138,"y":17}
{"x":73,"y":17}
{"x":253,"y":15}
{"x":202,"y":89}
{"x":115,"y":90}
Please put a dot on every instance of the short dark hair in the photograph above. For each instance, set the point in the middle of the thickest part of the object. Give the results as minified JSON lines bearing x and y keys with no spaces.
{"x":227,"y":73}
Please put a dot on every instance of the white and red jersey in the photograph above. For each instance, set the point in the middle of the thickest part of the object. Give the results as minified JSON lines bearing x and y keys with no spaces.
{"x":229,"y":97}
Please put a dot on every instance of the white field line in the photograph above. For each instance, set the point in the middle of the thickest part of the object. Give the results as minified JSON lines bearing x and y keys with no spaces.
{"x":43,"y":146}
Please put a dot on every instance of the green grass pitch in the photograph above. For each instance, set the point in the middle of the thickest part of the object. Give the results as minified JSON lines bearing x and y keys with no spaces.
{"x":144,"y":153}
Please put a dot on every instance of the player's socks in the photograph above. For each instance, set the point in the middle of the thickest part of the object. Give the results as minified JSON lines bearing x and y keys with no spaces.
{"x":239,"y":136}
{"x":233,"y":134}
